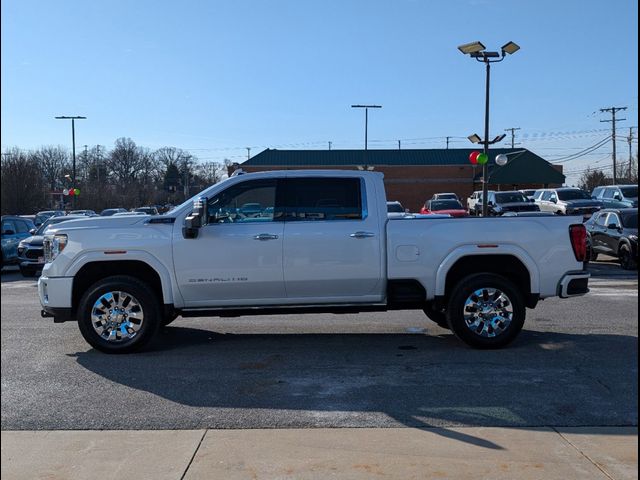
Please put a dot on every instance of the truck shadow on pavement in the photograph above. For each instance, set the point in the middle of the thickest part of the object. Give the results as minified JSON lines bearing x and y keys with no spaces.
{"x":365,"y":380}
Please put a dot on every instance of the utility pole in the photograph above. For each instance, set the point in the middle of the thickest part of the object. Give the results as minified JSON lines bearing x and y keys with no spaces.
{"x":73,"y":141}
{"x":399,"y":145}
{"x":513,"y":135}
{"x":630,"y":140}
{"x":248,"y":153}
{"x":98,"y":162}
{"x":330,"y":145}
{"x":366,"y":119}
{"x":613,"y":111}
{"x":447,"y":142}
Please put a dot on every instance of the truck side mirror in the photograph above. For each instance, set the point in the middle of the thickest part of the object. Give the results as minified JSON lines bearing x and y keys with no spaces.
{"x":617,"y":196}
{"x":33,"y":231}
{"x":196,"y":219}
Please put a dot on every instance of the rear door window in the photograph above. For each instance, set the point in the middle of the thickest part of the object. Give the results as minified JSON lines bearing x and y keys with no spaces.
{"x":322,"y":198}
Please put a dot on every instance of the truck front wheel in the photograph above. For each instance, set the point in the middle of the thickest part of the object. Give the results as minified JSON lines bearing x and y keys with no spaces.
{"x":119,"y":314}
{"x":486,"y":311}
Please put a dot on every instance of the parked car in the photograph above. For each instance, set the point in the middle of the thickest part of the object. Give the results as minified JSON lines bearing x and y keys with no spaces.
{"x":30,"y":249}
{"x":568,"y":201}
{"x":43,"y":216}
{"x":510,"y":201}
{"x":529,"y":193}
{"x":476,"y":277}
{"x":396,"y":210}
{"x":147,"y":210}
{"x":14,"y":229}
{"x":445,"y":196}
{"x":472,"y":200}
{"x":616,"y":196}
{"x":448,"y":207}
{"x":89,"y":213}
{"x":615,"y":232}
{"x":107,"y":212}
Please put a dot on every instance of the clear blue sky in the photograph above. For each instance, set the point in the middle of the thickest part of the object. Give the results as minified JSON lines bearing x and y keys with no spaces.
{"x":217,"y":76}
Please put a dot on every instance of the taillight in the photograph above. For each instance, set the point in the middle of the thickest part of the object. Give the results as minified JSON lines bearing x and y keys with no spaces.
{"x":578,"y":235}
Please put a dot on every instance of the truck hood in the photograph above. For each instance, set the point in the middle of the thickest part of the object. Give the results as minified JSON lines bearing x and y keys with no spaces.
{"x":100,"y":222}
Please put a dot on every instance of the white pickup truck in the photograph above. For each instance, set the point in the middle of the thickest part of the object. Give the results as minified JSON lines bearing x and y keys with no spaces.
{"x":304,"y":241}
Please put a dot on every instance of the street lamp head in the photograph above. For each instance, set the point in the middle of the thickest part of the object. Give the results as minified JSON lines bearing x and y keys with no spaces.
{"x":499,"y":138}
{"x":473,"y":47}
{"x":475,"y":138}
{"x":510,"y":48}
{"x":501,"y":160}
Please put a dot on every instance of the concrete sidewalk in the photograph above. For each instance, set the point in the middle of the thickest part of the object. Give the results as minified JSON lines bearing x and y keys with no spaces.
{"x":402,"y":453}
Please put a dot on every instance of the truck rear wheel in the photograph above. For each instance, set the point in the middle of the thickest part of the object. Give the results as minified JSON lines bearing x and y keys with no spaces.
{"x":119,"y":314}
{"x":486,"y":311}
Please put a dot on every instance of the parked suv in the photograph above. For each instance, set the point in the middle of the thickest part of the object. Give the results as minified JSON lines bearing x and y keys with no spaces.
{"x":30,"y":249}
{"x":615,"y":232}
{"x":472,"y":201}
{"x":617,"y":196}
{"x":14,"y":229}
{"x":510,"y":201}
{"x":568,"y":201}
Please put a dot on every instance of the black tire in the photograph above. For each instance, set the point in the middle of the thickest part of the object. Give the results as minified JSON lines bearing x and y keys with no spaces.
{"x":626,"y":259}
{"x":436,"y":316}
{"x":490,"y":338}
{"x":142,"y":295}
{"x":27,"y":272}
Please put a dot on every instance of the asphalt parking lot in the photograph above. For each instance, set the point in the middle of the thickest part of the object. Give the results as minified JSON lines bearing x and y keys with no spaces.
{"x":575,"y":364}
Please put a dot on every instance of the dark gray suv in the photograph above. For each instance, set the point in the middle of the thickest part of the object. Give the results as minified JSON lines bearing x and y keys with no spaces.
{"x":617,"y":196}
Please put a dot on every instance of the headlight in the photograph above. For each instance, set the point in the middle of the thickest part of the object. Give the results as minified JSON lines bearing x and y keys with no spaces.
{"x":53,"y":245}
{"x":633,"y":238}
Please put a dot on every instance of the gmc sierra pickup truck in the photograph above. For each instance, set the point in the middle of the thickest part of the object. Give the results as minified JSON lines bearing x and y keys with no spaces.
{"x":304,"y":241}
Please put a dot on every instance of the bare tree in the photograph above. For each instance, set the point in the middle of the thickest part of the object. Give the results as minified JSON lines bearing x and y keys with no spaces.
{"x":124,"y":162}
{"x":23,"y":191}
{"x":591,"y":179}
{"x":54,"y":164}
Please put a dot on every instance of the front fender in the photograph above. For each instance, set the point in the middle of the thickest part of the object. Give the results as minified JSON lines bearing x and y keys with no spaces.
{"x":170,"y":294}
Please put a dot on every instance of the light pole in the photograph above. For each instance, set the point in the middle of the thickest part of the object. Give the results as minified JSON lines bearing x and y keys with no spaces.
{"x":477,"y":50}
{"x":73,"y":141}
{"x":366,"y":119}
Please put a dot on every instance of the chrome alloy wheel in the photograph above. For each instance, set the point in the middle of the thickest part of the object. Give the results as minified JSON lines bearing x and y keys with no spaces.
{"x":117,"y":316}
{"x":488,"y":312}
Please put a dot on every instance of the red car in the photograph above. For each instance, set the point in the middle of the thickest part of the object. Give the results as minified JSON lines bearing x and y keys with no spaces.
{"x":450,"y":207}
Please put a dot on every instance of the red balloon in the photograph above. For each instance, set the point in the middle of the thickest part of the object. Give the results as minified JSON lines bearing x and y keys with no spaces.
{"x":473,"y":157}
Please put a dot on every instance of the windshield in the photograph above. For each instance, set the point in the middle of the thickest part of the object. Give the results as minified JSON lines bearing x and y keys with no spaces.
{"x":190,"y":200}
{"x":445,"y":205}
{"x":630,"y":192}
{"x":510,"y":197}
{"x":630,"y":220}
{"x":573,"y":195}
{"x":394,"y":208}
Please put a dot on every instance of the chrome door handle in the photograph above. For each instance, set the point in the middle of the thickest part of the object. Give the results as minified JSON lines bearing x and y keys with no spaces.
{"x":265,"y":236}
{"x":362,"y":235}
